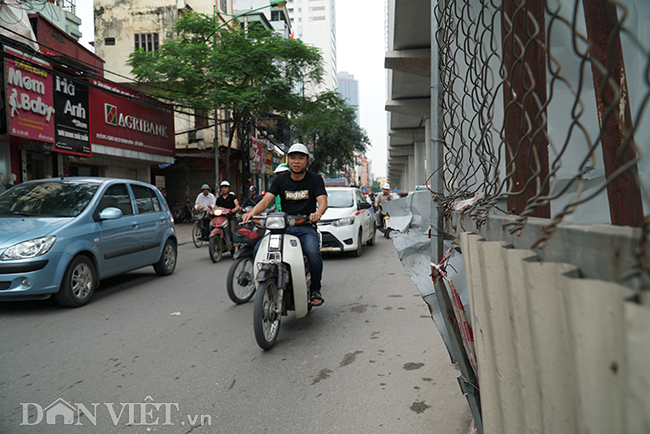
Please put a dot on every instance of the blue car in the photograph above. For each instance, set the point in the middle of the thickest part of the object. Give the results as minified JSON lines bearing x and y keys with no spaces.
{"x":62,"y":236}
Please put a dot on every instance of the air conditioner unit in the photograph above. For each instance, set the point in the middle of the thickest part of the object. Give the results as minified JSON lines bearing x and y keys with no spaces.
{"x":195,"y":136}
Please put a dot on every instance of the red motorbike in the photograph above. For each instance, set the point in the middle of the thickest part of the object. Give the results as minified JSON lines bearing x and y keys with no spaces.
{"x":219,"y":233}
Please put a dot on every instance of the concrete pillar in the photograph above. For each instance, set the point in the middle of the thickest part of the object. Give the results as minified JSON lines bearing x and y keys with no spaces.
{"x":411,"y":174}
{"x":427,"y":144}
{"x":419,"y":152}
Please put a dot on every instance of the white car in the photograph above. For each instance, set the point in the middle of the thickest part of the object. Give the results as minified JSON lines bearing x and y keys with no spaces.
{"x":348,"y":223}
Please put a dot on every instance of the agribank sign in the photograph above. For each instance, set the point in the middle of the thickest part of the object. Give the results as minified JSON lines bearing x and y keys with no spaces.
{"x":31,"y":104}
{"x":121,"y":118}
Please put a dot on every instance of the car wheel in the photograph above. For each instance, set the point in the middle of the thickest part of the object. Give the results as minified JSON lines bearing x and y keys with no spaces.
{"x":371,"y":241}
{"x":78,"y":283}
{"x":167,"y":263}
{"x":357,"y":252}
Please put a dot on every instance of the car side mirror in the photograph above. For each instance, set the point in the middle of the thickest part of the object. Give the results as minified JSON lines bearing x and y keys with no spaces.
{"x":364,"y":205}
{"x":110,"y":213}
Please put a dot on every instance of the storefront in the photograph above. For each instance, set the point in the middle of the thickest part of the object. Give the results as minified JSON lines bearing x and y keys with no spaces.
{"x":56,"y":123}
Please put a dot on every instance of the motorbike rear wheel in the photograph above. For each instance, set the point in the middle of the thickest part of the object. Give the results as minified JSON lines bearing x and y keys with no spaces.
{"x":216,"y":248}
{"x":241,"y":281}
{"x":266,"y":321}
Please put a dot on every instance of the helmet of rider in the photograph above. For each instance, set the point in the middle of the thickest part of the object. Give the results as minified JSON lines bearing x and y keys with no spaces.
{"x":282,"y":168}
{"x":386,"y":186}
{"x":224,"y":184}
{"x":298,"y":147}
{"x":252,"y":188}
{"x":205,"y":187}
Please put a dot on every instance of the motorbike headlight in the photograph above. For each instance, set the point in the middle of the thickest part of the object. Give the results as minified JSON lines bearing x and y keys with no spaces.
{"x":29,"y":249}
{"x":347,"y":221}
{"x":275,"y":222}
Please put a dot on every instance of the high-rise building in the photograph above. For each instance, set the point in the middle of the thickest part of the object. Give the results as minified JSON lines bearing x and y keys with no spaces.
{"x":314,"y":23}
{"x":349,"y":90}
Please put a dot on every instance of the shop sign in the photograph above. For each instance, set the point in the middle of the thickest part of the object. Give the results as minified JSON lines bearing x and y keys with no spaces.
{"x":29,"y":90}
{"x":258,"y":148}
{"x":120,"y":120}
{"x":71,"y":117}
{"x":277,"y":160}
{"x":268,"y":163}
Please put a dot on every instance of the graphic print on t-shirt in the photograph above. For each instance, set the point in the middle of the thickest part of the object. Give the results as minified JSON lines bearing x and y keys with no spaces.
{"x":296,"y":195}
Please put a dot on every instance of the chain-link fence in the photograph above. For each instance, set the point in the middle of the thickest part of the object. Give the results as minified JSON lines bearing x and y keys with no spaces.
{"x":544,"y":109}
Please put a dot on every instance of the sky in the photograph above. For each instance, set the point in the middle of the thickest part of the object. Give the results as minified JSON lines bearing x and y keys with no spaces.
{"x":360,"y":41}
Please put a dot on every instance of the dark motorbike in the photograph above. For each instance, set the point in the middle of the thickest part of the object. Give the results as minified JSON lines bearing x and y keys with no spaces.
{"x":220,"y":241}
{"x":241,"y":278}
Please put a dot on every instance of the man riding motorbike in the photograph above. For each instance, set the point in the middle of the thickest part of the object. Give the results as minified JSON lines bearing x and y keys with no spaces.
{"x":300,"y":192}
{"x":205,"y":200}
{"x":229,"y":200}
{"x":381,"y":198}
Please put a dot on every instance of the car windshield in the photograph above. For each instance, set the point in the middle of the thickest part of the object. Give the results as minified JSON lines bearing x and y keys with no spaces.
{"x":47,"y":199}
{"x":340,"y":199}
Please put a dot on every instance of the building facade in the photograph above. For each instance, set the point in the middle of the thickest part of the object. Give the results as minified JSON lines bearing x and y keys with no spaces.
{"x":349,"y":90}
{"x":314,"y":23}
{"x":61,"y":117}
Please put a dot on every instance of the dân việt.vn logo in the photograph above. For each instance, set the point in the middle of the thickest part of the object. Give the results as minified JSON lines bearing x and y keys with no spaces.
{"x":147,"y":413}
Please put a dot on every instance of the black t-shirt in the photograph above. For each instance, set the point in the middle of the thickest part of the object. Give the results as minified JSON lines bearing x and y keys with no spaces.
{"x":228,"y":202}
{"x":298,"y":197}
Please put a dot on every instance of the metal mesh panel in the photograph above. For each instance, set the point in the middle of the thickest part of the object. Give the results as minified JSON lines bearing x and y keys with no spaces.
{"x":543,"y":109}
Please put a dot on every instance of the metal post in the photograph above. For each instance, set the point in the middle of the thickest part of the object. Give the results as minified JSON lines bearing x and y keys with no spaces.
{"x":522,"y":25}
{"x":614,"y":114}
{"x":468,"y":381}
{"x":216,"y":117}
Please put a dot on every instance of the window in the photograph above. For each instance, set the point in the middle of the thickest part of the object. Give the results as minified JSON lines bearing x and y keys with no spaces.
{"x":223,"y":5}
{"x":146,"y":41}
{"x":145,"y":199}
{"x":47,"y":199}
{"x":116,"y":196}
{"x":109,"y":41}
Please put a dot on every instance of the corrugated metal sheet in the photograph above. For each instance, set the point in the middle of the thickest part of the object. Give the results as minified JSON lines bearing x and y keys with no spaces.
{"x":557,"y":353}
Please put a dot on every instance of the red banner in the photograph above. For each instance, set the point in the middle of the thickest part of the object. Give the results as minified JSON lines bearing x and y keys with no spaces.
{"x":258,"y":148}
{"x":31,"y":104}
{"x":120,"y":121}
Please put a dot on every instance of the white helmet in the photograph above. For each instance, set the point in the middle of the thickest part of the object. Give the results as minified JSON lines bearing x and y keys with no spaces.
{"x":226,"y":183}
{"x":205,"y":187}
{"x":298,"y":147}
{"x":282,"y":167}
{"x":386,"y":186}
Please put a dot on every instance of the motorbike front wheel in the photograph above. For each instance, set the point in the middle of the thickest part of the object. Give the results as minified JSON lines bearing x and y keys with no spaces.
{"x":197,"y":234}
{"x":216,"y":248}
{"x":241,"y":282}
{"x":266,"y":318}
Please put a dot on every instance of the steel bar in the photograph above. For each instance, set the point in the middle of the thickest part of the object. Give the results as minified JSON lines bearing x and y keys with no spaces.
{"x":614,"y":114}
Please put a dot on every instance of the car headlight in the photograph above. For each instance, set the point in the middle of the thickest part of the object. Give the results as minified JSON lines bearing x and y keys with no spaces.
{"x":275,"y":222}
{"x":29,"y":249}
{"x":347,"y":221}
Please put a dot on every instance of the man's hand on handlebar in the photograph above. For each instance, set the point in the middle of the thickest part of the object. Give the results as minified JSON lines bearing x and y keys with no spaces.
{"x":315,"y":217}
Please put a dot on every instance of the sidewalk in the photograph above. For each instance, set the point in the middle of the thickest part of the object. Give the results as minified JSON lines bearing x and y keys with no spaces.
{"x":184,"y":232}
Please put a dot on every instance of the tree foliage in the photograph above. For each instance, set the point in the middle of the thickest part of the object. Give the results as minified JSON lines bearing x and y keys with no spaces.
{"x":247,"y":71}
{"x":330,"y":125}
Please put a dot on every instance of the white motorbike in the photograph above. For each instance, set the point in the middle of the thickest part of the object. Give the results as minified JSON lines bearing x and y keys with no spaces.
{"x":282,"y":278}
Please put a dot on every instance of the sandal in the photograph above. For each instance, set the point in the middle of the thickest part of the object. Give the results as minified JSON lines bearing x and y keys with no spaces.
{"x":316,"y":299}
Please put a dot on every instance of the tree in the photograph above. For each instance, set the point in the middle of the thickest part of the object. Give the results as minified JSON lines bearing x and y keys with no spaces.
{"x":376,"y":187}
{"x":247,"y":71}
{"x":329,"y":124}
